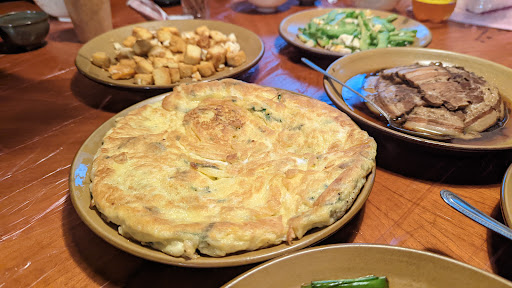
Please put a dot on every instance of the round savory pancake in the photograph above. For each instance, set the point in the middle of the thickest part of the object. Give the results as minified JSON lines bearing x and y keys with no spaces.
{"x":226,"y":166}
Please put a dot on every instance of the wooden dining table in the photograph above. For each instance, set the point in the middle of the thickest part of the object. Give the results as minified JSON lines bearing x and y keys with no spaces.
{"x":48,"y":109}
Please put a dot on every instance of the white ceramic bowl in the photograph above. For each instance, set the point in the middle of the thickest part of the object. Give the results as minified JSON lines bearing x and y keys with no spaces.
{"x":267,"y":6}
{"x":55,"y":8}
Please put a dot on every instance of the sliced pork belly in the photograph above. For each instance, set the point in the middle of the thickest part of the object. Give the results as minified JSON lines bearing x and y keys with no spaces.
{"x":395,"y":99}
{"x":446,"y":93}
{"x":447,"y":100}
{"x":485,"y":114}
{"x":392,"y":74}
{"x":440,"y":120}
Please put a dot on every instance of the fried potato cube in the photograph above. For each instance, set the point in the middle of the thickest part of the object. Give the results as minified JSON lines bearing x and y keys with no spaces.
{"x":196,"y":76}
{"x":128,"y":62}
{"x":218,"y":36}
{"x":217,"y":54}
{"x":161,"y":76}
{"x":163,"y":35}
{"x":178,"y":57}
{"x":203,"y":31}
{"x":101,"y":60}
{"x":172,"y":64}
{"x":190,"y":37}
{"x":143,"y":66}
{"x":159,"y":62}
{"x":186,"y":70}
{"x":203,"y":42}
{"x":235,"y":59}
{"x":175,"y":74}
{"x":158,"y":51}
{"x":124,"y":53}
{"x":129,"y":41}
{"x":192,"y":55}
{"x":206,"y":68}
{"x":143,"y":79}
{"x":177,"y":44}
{"x":119,"y":71}
{"x":141,"y":33}
{"x":142,"y":47}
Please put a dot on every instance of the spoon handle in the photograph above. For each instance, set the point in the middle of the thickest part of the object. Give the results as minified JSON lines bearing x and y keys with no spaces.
{"x":314,"y":66}
{"x":476,"y":215}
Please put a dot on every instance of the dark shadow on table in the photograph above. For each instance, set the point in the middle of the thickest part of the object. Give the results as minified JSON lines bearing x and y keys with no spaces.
{"x":115,"y":99}
{"x":500,"y":249}
{"x":9,"y":49}
{"x":107,"y":98}
{"x":104,"y":263}
{"x":437,"y":165}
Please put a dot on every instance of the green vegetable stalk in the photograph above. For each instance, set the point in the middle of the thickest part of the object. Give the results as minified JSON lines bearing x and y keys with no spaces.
{"x":362,"y":282}
{"x":336,"y":29}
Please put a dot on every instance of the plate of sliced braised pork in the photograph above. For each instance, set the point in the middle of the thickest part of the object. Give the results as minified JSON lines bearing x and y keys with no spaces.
{"x":465,"y":98}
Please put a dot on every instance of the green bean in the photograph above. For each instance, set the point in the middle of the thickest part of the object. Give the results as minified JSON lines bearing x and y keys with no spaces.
{"x":362,"y":282}
{"x":401,"y":38}
{"x":383,"y":39}
{"x":368,"y":32}
{"x":391,"y":18}
{"x":364,"y":42}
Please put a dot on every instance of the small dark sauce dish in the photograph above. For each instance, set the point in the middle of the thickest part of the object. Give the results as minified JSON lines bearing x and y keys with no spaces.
{"x":25,"y":30}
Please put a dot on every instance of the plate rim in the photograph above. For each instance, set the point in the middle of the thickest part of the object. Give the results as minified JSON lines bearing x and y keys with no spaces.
{"x":233,"y":283}
{"x":410,"y":138}
{"x":133,"y":247}
{"x":324,"y":52}
{"x":506,"y":197}
{"x":245,"y":66}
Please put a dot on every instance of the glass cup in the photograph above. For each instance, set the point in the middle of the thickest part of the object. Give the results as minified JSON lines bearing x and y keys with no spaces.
{"x":90,"y":17}
{"x":196,"y":8}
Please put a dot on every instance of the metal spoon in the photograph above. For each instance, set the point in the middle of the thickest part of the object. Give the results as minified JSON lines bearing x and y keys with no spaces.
{"x":391,"y":123}
{"x":476,"y":215}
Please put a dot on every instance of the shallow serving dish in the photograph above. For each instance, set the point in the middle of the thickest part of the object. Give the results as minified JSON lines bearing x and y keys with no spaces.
{"x":506,"y":197}
{"x":289,"y":28}
{"x":79,"y":181}
{"x":373,"y":60}
{"x":250,"y":43}
{"x":403,"y":267}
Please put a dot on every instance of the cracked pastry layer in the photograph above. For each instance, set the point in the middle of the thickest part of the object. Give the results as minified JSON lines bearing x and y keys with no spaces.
{"x":226,"y":166}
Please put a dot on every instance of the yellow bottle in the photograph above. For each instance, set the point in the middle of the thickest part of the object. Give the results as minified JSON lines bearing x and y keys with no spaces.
{"x":433,"y":10}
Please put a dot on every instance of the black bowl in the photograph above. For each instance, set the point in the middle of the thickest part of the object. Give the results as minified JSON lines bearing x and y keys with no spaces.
{"x":25,"y":29}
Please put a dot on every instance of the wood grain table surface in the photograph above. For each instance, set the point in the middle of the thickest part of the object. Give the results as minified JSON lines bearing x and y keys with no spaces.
{"x":48,"y":109}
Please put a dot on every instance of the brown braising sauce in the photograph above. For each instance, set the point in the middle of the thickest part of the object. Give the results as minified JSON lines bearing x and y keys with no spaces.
{"x":492,"y":136}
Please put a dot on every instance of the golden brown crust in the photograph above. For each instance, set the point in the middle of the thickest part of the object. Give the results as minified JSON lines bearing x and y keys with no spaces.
{"x":226,"y":166}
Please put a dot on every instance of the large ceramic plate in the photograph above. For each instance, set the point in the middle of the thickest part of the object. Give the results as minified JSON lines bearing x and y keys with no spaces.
{"x":404,"y":268}
{"x":373,"y":60}
{"x":506,"y":197}
{"x":289,"y":28}
{"x":250,"y":43}
{"x":79,"y":191}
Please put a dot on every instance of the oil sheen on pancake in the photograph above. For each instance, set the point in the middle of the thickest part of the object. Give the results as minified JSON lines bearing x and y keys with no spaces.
{"x":226,"y":166}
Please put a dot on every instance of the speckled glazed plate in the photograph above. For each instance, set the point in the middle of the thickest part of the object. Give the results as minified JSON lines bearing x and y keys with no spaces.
{"x":80,"y":195}
{"x":250,"y":43}
{"x":404,"y":268}
{"x":369,"y":61}
{"x":506,"y":197}
{"x":289,"y":28}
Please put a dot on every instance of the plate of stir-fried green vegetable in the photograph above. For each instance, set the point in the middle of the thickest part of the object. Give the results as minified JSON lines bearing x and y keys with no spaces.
{"x":356,"y":265}
{"x":343,"y":31}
